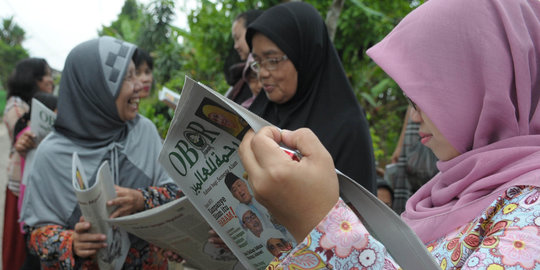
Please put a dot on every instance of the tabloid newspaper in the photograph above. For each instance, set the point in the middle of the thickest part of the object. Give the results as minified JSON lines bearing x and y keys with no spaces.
{"x":201,"y":154}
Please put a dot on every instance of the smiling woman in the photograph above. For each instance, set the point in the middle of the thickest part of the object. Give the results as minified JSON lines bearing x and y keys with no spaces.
{"x":127,"y":102}
{"x":305,"y":85}
{"x":97,"y":118}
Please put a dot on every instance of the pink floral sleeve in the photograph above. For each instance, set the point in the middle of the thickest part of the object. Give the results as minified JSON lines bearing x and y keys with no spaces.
{"x":506,"y":235}
{"x":340,"y":241}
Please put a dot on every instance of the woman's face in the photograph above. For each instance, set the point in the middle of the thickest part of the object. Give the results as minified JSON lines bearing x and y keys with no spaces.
{"x":253,"y":82}
{"x":127,"y":102}
{"x":239,"y":37}
{"x":432,"y":137}
{"x":279,"y":84}
{"x":145,"y":76}
{"x":46,"y":84}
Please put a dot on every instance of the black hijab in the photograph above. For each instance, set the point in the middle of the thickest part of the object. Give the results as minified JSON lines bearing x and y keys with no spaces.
{"x":324,"y":100}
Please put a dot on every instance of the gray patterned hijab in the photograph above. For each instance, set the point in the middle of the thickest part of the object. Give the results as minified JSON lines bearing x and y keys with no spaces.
{"x":88,"y":123}
{"x":89,"y":90}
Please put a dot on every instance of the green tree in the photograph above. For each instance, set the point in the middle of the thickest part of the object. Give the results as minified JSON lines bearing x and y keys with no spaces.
{"x":11,"y":33}
{"x":11,"y":50}
{"x":127,"y":26}
{"x":156,"y":29}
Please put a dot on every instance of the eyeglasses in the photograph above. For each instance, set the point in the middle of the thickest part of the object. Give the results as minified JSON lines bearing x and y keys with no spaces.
{"x":268,"y":64}
{"x":411,"y":103}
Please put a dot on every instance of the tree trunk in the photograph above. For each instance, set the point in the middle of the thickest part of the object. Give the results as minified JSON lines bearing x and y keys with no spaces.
{"x":333,"y":16}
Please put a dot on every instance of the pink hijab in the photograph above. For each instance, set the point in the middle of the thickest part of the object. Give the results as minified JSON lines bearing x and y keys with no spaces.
{"x":473,"y":68}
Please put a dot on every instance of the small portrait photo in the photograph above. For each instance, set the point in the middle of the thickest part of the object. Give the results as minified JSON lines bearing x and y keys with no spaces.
{"x":275,"y":243}
{"x":250,"y":221}
{"x":218,"y":116}
{"x":277,"y":246}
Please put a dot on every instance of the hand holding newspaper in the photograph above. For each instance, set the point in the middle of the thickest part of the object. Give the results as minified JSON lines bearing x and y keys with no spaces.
{"x":92,"y":198}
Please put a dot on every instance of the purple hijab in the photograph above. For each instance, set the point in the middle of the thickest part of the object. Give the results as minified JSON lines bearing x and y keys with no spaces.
{"x":472,"y":67}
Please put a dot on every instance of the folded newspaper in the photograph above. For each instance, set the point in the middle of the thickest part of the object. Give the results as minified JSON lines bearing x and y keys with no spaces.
{"x":201,"y":154}
{"x":174,"y":226}
{"x":92,"y":198}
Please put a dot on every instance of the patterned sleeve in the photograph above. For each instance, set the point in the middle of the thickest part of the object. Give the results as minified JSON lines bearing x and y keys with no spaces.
{"x":156,"y":196}
{"x":506,"y":236}
{"x":340,"y":241}
{"x":54,"y":246}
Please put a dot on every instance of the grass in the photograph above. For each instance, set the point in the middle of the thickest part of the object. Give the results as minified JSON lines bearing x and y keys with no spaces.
{"x":2,"y":101}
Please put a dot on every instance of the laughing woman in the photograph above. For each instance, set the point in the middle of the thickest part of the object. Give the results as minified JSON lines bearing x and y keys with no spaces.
{"x":97,"y":118}
{"x":471,"y":70}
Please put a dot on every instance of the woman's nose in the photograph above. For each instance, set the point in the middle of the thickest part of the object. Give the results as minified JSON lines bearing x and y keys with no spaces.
{"x":415,"y":114}
{"x":137,"y":86}
{"x":263,"y":73}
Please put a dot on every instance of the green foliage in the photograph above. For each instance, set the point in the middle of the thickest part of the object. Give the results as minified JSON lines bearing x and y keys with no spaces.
{"x":127,"y":26}
{"x":155,"y":30}
{"x":11,"y":33}
{"x":157,"y":112}
{"x":3,"y":100}
{"x":11,"y":50}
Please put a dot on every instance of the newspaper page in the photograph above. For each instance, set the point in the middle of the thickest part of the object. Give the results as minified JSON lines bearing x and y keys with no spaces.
{"x":168,"y":96}
{"x":201,"y":154}
{"x":41,"y":120}
{"x":92,"y":199}
{"x":177,"y":226}
{"x":41,"y":123}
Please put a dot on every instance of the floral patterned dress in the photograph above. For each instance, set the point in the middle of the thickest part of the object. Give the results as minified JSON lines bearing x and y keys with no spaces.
{"x":505,"y":236}
{"x":54,"y":243}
